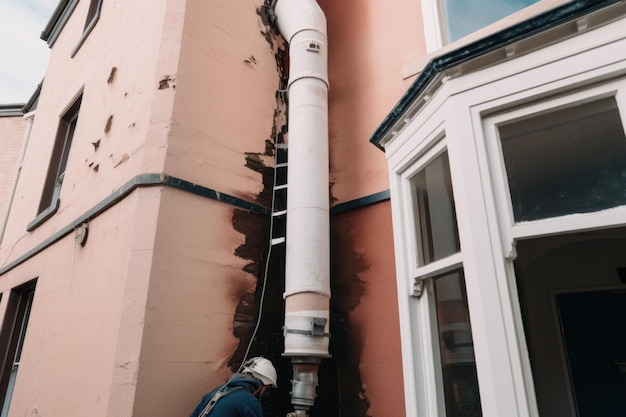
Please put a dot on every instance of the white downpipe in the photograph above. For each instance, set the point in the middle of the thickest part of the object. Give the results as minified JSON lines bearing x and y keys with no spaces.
{"x":307,"y":284}
{"x":307,"y":266}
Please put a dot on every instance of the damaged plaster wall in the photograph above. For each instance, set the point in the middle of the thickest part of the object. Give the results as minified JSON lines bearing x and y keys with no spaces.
{"x":227,"y":115}
{"x":123,"y":124}
{"x":90,"y":298}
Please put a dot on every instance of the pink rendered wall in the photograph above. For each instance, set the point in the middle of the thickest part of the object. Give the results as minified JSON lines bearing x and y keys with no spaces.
{"x":225,"y":105}
{"x":369,"y":41}
{"x":124,"y":119}
{"x":225,"y":118}
{"x":364,"y":288}
{"x":84,"y":340}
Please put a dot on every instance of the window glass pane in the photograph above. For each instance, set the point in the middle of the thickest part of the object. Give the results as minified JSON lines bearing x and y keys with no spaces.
{"x":567,"y":161}
{"x":435,"y":217}
{"x":460,"y":381}
{"x":463,"y":17}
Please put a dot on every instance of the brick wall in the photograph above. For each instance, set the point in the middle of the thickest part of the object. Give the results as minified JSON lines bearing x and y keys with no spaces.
{"x":11,"y":137}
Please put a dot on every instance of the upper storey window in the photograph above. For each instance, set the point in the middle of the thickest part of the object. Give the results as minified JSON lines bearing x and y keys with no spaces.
{"x":462,"y":17}
{"x":571,"y":160}
{"x":49,"y":202}
{"x":435,"y":218}
{"x":446,"y":21}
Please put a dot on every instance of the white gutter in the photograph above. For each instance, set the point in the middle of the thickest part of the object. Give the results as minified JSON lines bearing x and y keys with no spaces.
{"x":307,"y":271}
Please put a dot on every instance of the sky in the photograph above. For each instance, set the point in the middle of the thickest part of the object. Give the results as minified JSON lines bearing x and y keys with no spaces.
{"x":23,"y":54}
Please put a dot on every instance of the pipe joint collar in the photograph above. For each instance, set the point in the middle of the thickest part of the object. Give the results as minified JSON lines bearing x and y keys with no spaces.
{"x":304,"y":386}
{"x":306,"y":334}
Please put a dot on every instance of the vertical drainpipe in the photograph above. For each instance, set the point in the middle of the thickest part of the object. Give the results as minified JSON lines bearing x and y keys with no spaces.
{"x":307,"y":266}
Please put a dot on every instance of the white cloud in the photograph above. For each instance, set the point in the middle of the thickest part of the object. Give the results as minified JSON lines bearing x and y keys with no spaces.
{"x":24,"y":54}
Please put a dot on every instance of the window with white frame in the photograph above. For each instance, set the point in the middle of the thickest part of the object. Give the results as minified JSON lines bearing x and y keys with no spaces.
{"x":437,"y":265}
{"x":449,"y":20}
{"x":566,"y":161}
{"x":559,"y":165}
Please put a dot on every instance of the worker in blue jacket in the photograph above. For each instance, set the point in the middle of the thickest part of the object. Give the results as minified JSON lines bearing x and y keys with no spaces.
{"x":239,"y":397}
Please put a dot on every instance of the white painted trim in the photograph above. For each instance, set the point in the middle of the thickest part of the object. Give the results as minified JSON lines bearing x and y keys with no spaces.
{"x":411,"y":366}
{"x":439,"y":267}
{"x":510,"y":230}
{"x":433,"y":34}
{"x":461,"y":117}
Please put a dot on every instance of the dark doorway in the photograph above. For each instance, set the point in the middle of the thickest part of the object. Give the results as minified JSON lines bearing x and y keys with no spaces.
{"x":594,"y":334}
{"x":573,"y":306}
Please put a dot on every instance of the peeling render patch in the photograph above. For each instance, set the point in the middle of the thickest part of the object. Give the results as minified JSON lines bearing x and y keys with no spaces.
{"x":256,"y":228}
{"x":341,"y":391}
{"x":109,"y":123}
{"x":167,"y":82}
{"x":268,"y":340}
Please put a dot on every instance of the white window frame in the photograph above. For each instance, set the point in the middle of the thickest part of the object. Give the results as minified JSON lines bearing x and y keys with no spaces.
{"x":424,"y":390}
{"x":431,"y":19}
{"x":512,"y":230}
{"x":460,"y":108}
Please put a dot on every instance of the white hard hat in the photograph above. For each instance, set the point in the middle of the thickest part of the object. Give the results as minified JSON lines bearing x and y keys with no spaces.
{"x":261,"y":369}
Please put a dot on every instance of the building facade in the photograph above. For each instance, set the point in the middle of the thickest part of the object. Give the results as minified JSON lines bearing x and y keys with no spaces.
{"x":476,"y":239}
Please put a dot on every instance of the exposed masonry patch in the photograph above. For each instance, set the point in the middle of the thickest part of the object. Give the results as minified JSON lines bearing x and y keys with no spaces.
{"x":269,"y":339}
{"x":112,"y":75}
{"x":109,"y":123}
{"x":167,"y":82}
{"x":250,"y":60}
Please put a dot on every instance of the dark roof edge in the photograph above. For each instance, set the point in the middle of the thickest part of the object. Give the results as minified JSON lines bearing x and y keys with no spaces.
{"x":11,"y":110}
{"x":31,"y":104}
{"x":540,"y":23}
{"x":54,"y":19}
{"x":59,"y":17}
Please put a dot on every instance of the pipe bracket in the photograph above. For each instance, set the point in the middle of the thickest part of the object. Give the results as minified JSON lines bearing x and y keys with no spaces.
{"x":316,"y":328}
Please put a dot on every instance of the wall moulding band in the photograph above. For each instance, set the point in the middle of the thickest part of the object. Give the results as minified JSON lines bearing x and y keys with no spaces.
{"x":142,"y":180}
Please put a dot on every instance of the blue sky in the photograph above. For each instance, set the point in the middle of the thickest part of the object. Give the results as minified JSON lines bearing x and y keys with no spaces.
{"x":23,"y":55}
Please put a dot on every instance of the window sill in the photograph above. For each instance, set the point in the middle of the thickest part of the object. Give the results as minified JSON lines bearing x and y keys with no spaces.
{"x":85,"y":34}
{"x":44,"y":215}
